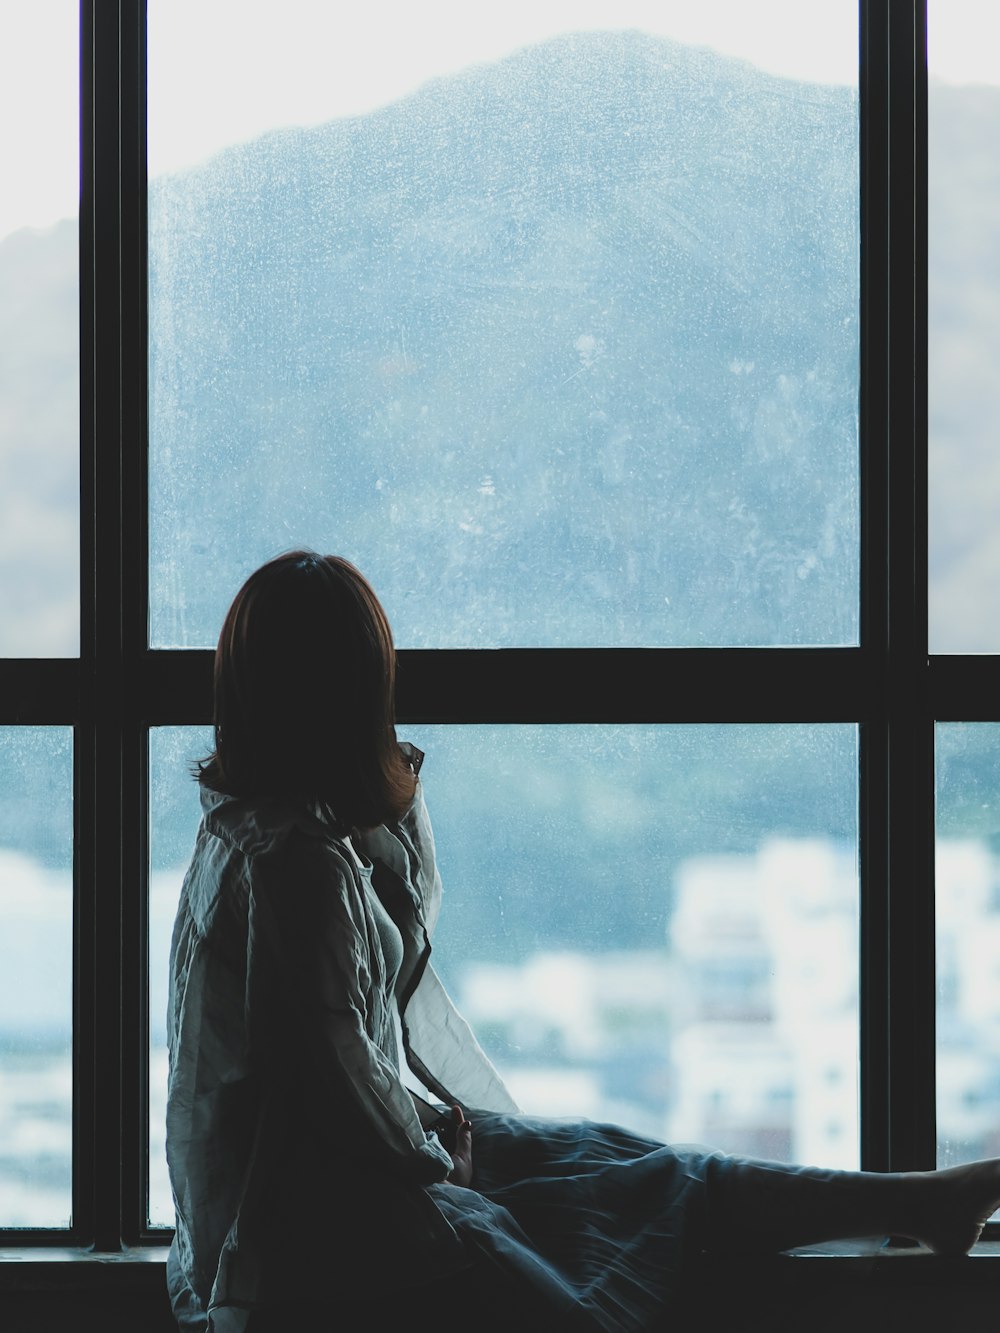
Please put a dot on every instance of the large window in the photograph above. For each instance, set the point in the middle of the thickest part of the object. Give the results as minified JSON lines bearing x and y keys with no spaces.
{"x":592,"y":337}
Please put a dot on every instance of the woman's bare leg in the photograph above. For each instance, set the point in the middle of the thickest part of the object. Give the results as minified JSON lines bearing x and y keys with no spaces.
{"x":770,"y":1206}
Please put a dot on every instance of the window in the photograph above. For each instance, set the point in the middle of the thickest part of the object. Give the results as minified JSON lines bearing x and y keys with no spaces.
{"x":787,"y":673}
{"x":963,"y":114}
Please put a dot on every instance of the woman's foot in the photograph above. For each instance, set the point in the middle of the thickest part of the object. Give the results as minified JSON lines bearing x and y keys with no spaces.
{"x":948,"y":1209}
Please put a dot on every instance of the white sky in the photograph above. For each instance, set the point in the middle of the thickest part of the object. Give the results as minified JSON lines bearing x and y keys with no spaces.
{"x":226,"y":70}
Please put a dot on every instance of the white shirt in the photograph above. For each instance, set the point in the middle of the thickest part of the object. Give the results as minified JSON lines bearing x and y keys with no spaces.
{"x":285,"y":1094}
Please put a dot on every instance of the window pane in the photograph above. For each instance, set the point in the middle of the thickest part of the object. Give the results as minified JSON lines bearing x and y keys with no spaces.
{"x":175,"y":812}
{"x":658,"y":925}
{"x":551,"y":326}
{"x":963,"y":324}
{"x":649,"y":925}
{"x":968,"y":940}
{"x":39,"y":320}
{"x":36,"y":976}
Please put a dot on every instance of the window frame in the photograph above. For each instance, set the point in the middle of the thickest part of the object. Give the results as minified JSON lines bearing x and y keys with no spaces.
{"x":119,"y":687}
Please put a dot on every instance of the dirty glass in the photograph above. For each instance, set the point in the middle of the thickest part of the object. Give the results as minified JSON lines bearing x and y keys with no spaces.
{"x":36,"y":976}
{"x":39,"y":324}
{"x":963,"y":200}
{"x":650,"y":925}
{"x":174,"y":818}
{"x":547,"y":317}
{"x":967,"y":897}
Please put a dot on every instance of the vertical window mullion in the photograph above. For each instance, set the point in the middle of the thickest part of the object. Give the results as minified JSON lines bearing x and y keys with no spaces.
{"x":114,"y":639}
{"x":873,"y":747}
{"x":134,"y":601}
{"x":135,"y":1022}
{"x":912,"y":1132}
{"x":85,"y":1081}
{"x":103,"y":636}
{"x":897,"y":1075}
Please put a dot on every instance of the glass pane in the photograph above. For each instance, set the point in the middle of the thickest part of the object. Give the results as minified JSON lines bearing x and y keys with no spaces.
{"x":963,"y":42}
{"x":36,"y":976}
{"x":650,"y":925}
{"x":174,"y":820}
{"x":658,"y":925}
{"x":547,"y":316}
{"x":967,"y":869}
{"x":39,"y":322}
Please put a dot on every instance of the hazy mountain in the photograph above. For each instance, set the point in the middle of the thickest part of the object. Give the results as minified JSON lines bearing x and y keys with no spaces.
{"x":964,"y":349}
{"x":39,"y":434}
{"x":492,"y":338}
{"x":561,"y":349}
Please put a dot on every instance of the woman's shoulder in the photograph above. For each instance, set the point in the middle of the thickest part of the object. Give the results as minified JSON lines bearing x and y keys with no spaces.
{"x":266,"y":828}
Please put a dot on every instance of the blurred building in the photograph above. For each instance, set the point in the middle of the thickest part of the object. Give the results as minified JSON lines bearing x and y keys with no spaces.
{"x":968,"y":1010}
{"x":740,"y":1031}
{"x":766,"y":965}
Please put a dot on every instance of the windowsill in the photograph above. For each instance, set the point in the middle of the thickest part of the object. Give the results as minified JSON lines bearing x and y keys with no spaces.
{"x":142,"y":1269}
{"x":68,"y":1269}
{"x":863,"y":1258}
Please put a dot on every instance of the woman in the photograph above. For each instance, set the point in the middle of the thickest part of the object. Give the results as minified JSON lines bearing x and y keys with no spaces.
{"x":313,"y":1188}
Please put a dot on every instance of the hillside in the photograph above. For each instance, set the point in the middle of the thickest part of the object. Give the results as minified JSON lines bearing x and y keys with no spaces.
{"x":561,"y":350}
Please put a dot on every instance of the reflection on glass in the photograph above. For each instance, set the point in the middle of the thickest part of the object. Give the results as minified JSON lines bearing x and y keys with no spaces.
{"x":963,"y":41}
{"x":649,"y":925}
{"x":39,"y":323}
{"x":36,"y":976}
{"x":967,"y":873}
{"x":550,"y":324}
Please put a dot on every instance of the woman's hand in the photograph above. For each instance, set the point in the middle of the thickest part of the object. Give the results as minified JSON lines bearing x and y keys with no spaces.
{"x":461,"y":1153}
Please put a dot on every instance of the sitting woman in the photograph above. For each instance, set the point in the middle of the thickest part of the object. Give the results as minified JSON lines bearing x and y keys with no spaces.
{"x":313,"y":1188}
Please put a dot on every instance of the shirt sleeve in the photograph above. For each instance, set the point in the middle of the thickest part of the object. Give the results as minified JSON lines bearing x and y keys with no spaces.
{"x":442,"y":1041}
{"x":314,"y":986}
{"x":441,"y":1047}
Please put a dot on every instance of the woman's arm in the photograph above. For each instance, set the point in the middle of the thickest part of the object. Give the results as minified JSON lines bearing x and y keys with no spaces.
{"x":460,"y":1146}
{"x":314,"y":994}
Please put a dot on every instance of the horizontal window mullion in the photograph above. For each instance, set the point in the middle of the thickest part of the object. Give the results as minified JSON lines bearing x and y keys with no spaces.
{"x":559,"y":684}
{"x":574,"y":685}
{"x":963,"y":689}
{"x":40,"y":690}
{"x":633,"y":685}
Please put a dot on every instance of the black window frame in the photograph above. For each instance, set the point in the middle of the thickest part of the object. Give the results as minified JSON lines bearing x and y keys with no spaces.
{"x":118,"y":688}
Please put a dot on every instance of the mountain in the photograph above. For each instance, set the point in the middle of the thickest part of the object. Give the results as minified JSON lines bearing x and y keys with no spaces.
{"x":561,"y":350}
{"x":39,"y":435}
{"x":963,"y":349}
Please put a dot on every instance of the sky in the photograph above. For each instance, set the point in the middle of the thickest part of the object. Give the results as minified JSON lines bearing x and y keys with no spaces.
{"x":222,"y":71}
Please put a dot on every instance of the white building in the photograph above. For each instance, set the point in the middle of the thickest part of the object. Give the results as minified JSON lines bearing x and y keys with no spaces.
{"x":766,"y":958}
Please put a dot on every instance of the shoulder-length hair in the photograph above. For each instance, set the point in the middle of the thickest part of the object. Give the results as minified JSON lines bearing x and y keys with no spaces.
{"x":304,"y":694}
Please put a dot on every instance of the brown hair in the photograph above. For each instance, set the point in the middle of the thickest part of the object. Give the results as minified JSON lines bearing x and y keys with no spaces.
{"x":304,"y":694}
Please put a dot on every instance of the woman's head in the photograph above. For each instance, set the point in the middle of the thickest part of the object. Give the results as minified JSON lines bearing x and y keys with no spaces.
{"x":304,"y":693}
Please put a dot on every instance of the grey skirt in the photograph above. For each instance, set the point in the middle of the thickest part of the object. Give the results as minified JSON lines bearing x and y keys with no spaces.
{"x":591,"y":1226}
